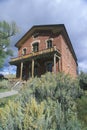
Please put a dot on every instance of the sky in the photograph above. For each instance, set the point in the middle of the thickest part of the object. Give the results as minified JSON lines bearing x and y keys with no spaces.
{"x":27,"y":13}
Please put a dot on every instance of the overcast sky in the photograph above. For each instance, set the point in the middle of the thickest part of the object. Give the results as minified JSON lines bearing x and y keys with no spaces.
{"x":72,"y":13}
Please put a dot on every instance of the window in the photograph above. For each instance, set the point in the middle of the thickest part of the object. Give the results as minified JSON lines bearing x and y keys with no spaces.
{"x":49,"y":67}
{"x":49,"y":44}
{"x":35,"y":47}
{"x":24,"y":51}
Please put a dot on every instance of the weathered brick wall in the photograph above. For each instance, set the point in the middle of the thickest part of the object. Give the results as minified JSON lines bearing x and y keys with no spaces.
{"x":26,"y":45}
{"x":42,"y":44}
{"x":67,"y":62}
{"x":67,"y":59}
{"x":57,"y":42}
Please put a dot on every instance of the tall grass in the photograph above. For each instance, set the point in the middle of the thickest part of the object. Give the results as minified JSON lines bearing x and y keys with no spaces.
{"x":5,"y":84}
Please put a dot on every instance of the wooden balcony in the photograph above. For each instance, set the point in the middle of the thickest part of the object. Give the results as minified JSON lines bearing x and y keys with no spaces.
{"x":34,"y":54}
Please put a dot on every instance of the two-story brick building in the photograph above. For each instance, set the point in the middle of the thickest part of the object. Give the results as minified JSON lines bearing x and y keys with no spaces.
{"x":45,"y":48}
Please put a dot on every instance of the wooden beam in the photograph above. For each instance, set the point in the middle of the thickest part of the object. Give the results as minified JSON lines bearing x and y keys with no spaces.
{"x":58,"y":61}
{"x":59,"y":65}
{"x":21,"y":70}
{"x":32,"y":68}
{"x":57,"y":56}
{"x":55,"y":63}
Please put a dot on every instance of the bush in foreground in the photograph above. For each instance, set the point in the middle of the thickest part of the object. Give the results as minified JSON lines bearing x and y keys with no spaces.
{"x":46,"y":103}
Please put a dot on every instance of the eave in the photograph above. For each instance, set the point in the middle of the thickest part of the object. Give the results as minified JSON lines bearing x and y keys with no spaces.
{"x":52,"y":28}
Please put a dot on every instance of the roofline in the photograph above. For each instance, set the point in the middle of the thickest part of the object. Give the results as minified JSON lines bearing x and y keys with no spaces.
{"x":52,"y":25}
{"x":35,"y":26}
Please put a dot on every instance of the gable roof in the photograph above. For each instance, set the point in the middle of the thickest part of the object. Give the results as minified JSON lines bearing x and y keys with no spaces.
{"x":55,"y":28}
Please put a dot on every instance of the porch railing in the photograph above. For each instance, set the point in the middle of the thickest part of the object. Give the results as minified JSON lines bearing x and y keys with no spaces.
{"x":33,"y":54}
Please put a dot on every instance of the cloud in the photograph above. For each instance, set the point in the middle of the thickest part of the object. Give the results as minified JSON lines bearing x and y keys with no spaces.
{"x":35,"y":12}
{"x":8,"y":70}
{"x":83,"y":66}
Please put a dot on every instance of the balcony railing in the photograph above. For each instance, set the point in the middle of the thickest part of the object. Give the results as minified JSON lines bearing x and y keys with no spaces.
{"x":33,"y":54}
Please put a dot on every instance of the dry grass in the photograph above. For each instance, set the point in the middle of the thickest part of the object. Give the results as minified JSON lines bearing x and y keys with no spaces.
{"x":10,"y":76}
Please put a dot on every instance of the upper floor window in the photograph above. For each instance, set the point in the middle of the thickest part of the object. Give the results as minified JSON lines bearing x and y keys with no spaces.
{"x":35,"y":47}
{"x":49,"y":44}
{"x":24,"y":51}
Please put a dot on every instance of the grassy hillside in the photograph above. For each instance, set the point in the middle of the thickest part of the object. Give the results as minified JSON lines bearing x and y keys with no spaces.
{"x":51,"y":102}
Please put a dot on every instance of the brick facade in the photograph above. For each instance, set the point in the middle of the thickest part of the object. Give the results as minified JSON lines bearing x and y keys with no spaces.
{"x":57,"y":55}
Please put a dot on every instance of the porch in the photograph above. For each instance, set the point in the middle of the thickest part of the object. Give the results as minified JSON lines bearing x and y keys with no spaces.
{"x":37,"y":63}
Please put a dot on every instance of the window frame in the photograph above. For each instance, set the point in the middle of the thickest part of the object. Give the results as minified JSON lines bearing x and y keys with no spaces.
{"x":48,"y":46}
{"x":35,"y":47}
{"x":23,"y":51}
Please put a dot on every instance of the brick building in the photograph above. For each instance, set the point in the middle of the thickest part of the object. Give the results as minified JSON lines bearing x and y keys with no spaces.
{"x":45,"y":48}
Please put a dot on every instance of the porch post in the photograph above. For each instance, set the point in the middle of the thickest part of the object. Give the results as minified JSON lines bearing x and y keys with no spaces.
{"x":55,"y":63}
{"x":21,"y":71}
{"x":32,"y":68}
{"x":59,"y":64}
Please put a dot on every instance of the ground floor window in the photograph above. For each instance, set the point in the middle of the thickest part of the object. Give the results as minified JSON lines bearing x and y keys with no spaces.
{"x":49,"y":67}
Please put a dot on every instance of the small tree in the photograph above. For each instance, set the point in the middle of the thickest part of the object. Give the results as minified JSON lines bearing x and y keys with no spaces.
{"x":6,"y":31}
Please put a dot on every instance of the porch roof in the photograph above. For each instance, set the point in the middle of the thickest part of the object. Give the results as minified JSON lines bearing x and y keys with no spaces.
{"x":40,"y":54}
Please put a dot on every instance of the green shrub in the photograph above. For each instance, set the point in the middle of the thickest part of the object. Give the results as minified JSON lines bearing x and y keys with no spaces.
{"x":83,"y":80}
{"x":82,"y":110}
{"x":4,"y":101}
{"x":46,"y":103}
